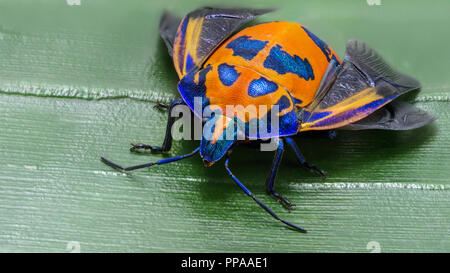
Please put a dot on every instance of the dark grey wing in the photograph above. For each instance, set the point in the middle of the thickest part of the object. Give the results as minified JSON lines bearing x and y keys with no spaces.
{"x":362,"y":84}
{"x":375,"y":69}
{"x":168,"y":29}
{"x":219,"y":24}
{"x":364,"y":68}
{"x":397,"y":115}
{"x":203,"y":30}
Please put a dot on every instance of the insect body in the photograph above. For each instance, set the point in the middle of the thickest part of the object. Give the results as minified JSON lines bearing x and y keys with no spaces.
{"x":272,"y":51}
{"x":289,"y":73}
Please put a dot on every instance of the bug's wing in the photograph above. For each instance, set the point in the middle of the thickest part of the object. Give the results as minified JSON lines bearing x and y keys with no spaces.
{"x":397,"y":115}
{"x":201,"y":31}
{"x":168,"y":29}
{"x":364,"y":83}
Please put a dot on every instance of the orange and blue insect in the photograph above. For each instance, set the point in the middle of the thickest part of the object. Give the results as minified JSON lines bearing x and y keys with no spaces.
{"x":287,"y":72}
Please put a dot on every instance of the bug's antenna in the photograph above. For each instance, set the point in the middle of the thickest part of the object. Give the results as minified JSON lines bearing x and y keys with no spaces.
{"x":159,"y":162}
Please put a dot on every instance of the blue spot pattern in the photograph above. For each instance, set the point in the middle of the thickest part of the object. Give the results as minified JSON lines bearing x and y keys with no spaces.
{"x":297,"y":101}
{"x":227,"y":74}
{"x":245,"y":47}
{"x":261,"y":87}
{"x":189,"y":89}
{"x":287,"y":125}
{"x":280,"y":61}
{"x":189,"y":63}
{"x":283,"y":103}
{"x":182,"y":33}
{"x":322,"y":45}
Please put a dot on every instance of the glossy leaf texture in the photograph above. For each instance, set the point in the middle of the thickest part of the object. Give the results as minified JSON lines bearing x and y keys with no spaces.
{"x":79,"y":81}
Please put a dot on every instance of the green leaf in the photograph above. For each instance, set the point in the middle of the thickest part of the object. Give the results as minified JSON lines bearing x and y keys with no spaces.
{"x":79,"y":81}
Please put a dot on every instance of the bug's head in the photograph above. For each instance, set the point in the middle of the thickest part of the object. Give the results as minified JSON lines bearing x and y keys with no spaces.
{"x":219,"y":134}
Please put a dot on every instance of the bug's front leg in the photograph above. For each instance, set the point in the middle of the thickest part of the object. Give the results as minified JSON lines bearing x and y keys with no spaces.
{"x":167,"y":144}
{"x":270,"y":181}
{"x":140,"y":166}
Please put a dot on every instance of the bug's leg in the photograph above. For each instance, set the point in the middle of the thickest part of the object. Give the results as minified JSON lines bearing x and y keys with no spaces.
{"x":332,"y":134}
{"x":167,"y":144}
{"x":159,"y":162}
{"x":251,"y":195}
{"x":302,"y":160}
{"x":270,"y":181}
{"x":161,"y":106}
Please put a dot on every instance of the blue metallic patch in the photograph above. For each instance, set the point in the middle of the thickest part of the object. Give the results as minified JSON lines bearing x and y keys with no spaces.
{"x":368,"y":109}
{"x":213,"y":152}
{"x":227,"y":74}
{"x":280,"y":61}
{"x":297,"y":101}
{"x":288,"y":125}
{"x":182,"y":46}
{"x":315,"y":116}
{"x":322,"y":45}
{"x":245,"y":47}
{"x":261,"y":87}
{"x":283,"y":103}
{"x":189,"y":89}
{"x":189,"y":63}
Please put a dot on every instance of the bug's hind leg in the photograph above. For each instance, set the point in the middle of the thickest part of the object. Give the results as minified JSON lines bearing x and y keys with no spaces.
{"x":167,"y":144}
{"x":251,"y":195}
{"x":270,"y":181}
{"x":332,"y":134}
{"x":302,"y":160}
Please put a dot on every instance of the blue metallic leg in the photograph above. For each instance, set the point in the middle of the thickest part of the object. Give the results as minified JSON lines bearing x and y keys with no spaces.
{"x":302,"y":160}
{"x":161,"y":106}
{"x":250,"y":194}
{"x":167,"y":144}
{"x":332,"y":134}
{"x":159,"y":162}
{"x":270,"y":181}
